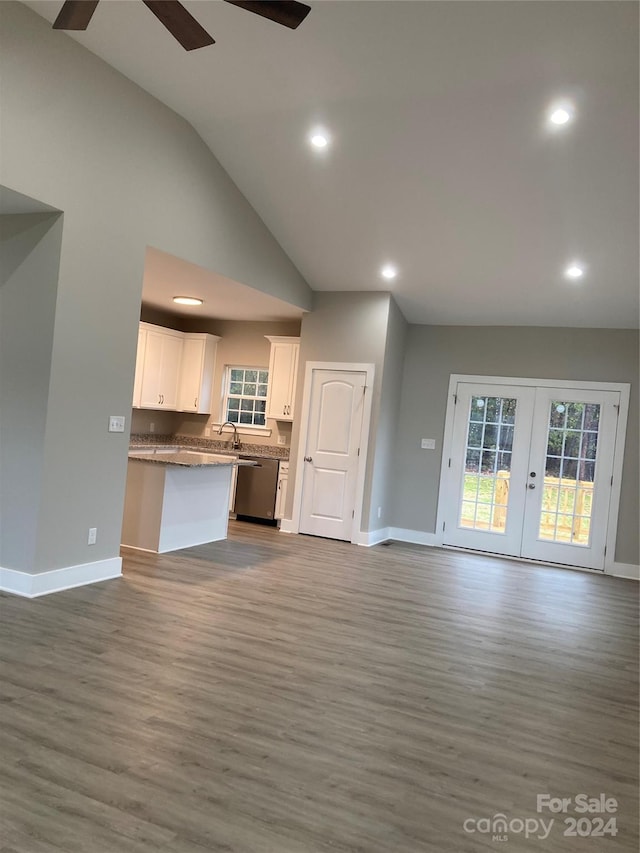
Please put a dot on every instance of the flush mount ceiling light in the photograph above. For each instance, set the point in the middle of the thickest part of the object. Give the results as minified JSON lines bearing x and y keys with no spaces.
{"x":319,"y":138}
{"x":574,"y":271}
{"x":188,"y":300}
{"x":389,"y":271}
{"x":560,"y":114}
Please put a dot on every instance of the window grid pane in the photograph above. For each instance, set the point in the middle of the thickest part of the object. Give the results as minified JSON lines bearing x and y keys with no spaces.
{"x":246,"y":400}
{"x":487,"y":471}
{"x":567,"y":496}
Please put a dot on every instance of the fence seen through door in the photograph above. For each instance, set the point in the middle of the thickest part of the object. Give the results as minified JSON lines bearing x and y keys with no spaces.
{"x":572,"y":439}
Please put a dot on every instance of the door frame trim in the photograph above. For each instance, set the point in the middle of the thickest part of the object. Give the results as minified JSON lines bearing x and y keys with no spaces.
{"x":623,"y":388}
{"x":342,"y":367}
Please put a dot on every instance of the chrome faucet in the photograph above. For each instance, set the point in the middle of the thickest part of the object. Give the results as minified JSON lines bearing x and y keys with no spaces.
{"x":236,"y":440}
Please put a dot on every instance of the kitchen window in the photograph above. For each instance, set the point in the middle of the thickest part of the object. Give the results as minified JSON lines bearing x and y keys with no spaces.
{"x":246,"y":396}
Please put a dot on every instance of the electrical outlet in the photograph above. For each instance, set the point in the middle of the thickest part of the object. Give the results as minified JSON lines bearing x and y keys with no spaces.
{"x":379,"y":512}
{"x":282,"y":439}
{"x":116,"y":423}
{"x":152,"y":427}
{"x":207,"y":430}
{"x":428,"y":444}
{"x":93,"y":535}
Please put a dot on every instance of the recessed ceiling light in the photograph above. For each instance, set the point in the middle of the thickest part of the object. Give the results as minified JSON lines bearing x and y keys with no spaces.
{"x":560,"y":114}
{"x":188,"y":300}
{"x":388,"y":271}
{"x":574,"y":271}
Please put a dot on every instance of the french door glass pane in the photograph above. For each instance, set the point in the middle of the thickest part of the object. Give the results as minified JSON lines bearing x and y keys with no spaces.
{"x":567,"y":499}
{"x":487,"y":468}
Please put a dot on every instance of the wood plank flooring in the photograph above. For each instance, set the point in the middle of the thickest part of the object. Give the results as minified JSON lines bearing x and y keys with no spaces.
{"x":287,"y":694}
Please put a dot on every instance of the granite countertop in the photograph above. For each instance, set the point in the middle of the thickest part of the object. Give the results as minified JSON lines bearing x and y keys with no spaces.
{"x":173,"y":455}
{"x":192,"y":444}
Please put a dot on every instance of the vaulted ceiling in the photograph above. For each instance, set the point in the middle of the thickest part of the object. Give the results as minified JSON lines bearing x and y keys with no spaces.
{"x":441,"y":157}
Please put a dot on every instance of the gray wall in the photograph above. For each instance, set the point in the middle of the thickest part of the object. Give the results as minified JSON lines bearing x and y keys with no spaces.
{"x":435,"y":352}
{"x":383,"y":476}
{"x":127,"y":173}
{"x":30,"y":253}
{"x":343,"y":327}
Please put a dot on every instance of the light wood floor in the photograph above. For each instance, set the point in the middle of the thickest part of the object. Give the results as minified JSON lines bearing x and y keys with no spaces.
{"x":283,"y":694}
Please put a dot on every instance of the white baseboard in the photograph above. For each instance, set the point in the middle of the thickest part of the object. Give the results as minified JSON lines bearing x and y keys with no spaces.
{"x":624,"y":570}
{"x":372,"y":537}
{"x":286,"y":525}
{"x":33,"y":585}
{"x":414,"y":537}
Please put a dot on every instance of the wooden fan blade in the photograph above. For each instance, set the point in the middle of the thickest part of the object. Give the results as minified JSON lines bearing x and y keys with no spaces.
{"x":289,"y":13}
{"x":75,"y":15}
{"x":180,"y":23}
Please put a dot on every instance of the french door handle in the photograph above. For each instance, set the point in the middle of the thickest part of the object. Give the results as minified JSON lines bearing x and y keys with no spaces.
{"x":308,"y":459}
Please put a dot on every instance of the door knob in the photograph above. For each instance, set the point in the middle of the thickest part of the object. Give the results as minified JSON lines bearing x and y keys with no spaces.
{"x":532,"y":474}
{"x":308,"y":459}
{"x":532,"y":485}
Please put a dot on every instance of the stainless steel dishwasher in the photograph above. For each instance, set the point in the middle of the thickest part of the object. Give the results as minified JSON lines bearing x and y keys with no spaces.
{"x":256,"y":488}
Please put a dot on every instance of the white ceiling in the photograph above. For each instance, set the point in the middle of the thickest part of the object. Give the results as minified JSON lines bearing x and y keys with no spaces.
{"x":166,"y":276}
{"x":441,"y":160}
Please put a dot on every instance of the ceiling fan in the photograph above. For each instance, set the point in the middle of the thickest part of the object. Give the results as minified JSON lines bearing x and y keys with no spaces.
{"x":76,"y":14}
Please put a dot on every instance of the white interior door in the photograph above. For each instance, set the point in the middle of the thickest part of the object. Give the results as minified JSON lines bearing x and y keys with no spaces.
{"x":332,"y":453}
{"x":530,"y":472}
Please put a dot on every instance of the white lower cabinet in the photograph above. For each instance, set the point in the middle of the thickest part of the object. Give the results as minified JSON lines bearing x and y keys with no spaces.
{"x":281,"y":494}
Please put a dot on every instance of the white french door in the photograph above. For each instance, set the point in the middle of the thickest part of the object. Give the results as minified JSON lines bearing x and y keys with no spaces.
{"x":530,"y":471}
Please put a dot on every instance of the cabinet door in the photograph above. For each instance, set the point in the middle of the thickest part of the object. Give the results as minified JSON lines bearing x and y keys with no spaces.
{"x":281,"y":494}
{"x":196,"y":373}
{"x":161,"y":369}
{"x":191,"y":371}
{"x":137,"y":382}
{"x":170,"y":370}
{"x":150,"y":394}
{"x":283,"y":365}
{"x":293,"y":378}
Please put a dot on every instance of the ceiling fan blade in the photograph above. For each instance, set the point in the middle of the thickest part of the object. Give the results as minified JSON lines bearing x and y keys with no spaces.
{"x":75,"y":15}
{"x":180,"y":23}
{"x":289,"y":13}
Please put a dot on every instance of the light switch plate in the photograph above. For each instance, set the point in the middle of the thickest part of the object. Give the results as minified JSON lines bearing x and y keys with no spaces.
{"x":428,"y":444}
{"x":116,"y":423}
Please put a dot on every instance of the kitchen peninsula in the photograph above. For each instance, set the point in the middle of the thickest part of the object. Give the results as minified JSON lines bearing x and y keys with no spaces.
{"x":176,"y":497}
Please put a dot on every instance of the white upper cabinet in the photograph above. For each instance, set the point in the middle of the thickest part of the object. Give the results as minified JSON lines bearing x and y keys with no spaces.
{"x":196,"y":373}
{"x":174,"y":370}
{"x":283,"y":372}
{"x":137,"y":382}
{"x":161,"y":368}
